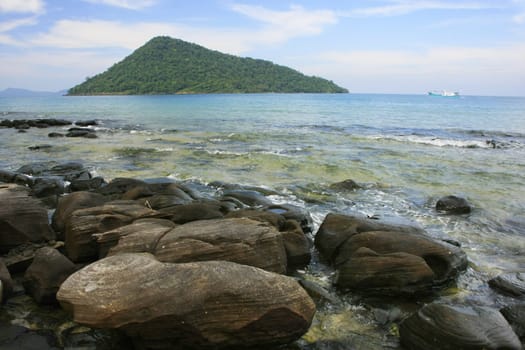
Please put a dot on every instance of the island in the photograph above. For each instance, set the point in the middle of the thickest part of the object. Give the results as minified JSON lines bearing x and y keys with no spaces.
{"x":165,"y":65}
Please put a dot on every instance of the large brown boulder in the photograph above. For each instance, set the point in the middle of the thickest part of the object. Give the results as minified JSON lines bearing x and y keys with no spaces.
{"x":6,"y":283}
{"x":447,"y":327}
{"x":68,"y":204}
{"x":214,"y":304}
{"x":23,"y":219}
{"x":83,"y":223}
{"x":240,"y":240}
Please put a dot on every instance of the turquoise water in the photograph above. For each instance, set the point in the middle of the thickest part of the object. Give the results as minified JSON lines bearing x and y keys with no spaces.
{"x":406,"y":152}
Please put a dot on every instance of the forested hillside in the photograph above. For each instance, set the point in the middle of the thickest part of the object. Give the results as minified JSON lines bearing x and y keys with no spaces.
{"x":170,"y":66}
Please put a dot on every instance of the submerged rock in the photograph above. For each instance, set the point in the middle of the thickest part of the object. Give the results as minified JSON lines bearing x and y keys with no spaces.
{"x":215,"y":304}
{"x":346,"y":185}
{"x":510,"y":283}
{"x":439,"y":327}
{"x":453,"y":205}
{"x":515,"y":315}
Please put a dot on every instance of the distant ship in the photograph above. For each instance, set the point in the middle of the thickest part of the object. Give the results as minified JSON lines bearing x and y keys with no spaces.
{"x":443,"y":93}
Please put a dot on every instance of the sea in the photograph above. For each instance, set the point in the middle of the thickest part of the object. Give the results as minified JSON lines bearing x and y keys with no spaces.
{"x":405,"y":151}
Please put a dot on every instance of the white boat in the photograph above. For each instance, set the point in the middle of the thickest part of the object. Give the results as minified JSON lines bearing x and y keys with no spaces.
{"x":444,"y":93}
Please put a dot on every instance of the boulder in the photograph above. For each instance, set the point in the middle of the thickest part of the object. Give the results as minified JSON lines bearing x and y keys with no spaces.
{"x":81,"y":132}
{"x":296,"y":244}
{"x":249,"y":198}
{"x":292,"y":212}
{"x":45,"y":275}
{"x":453,"y":205}
{"x":441,"y":327}
{"x":337,"y":228}
{"x":181,"y":214}
{"x":55,"y":135}
{"x":140,"y":236}
{"x":276,"y":220}
{"x":90,"y":122}
{"x":7,"y":176}
{"x":214,"y":304}
{"x":511,"y":284}
{"x":515,"y":315}
{"x":242,"y":240}
{"x":68,"y":204}
{"x":119,"y":186}
{"x":83,"y":223}
{"x":87,"y":185}
{"x":6,"y":283}
{"x":22,"y":218}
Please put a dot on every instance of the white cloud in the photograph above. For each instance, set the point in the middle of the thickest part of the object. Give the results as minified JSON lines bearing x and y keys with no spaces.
{"x":402,"y":7}
{"x":519,"y":18}
{"x":21,"y":6}
{"x":13,"y":24}
{"x":127,"y":4}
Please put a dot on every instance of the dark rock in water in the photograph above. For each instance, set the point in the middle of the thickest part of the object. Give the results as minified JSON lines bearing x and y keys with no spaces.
{"x":117,"y":187}
{"x":22,"y":131}
{"x":181,"y":214}
{"x":7,"y":176}
{"x":47,"y":186}
{"x":346,"y":185}
{"x":23,"y":126}
{"x":90,"y":122}
{"x":67,"y":171}
{"x":36,"y":169}
{"x":81,"y":132}
{"x":20,"y":338}
{"x":248,"y":197}
{"x":337,"y":228}
{"x":22,"y":218}
{"x":316,"y":292}
{"x":39,"y":147}
{"x":229,"y":305}
{"x":453,"y":205}
{"x":515,"y":315}
{"x":68,"y":204}
{"x":6,"y":283}
{"x":439,"y":327}
{"x":87,"y":185}
{"x":45,"y":275}
{"x":55,"y":135}
{"x":296,"y":244}
{"x":379,"y":258}
{"x":510,"y":283}
{"x":243,"y":241}
{"x":83,"y":223}
{"x":292,"y":212}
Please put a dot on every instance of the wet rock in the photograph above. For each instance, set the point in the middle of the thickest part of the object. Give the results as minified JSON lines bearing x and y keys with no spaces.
{"x":83,"y":223}
{"x":68,"y":204}
{"x":274,"y":219}
{"x":243,"y":241}
{"x":337,"y":228}
{"x":47,"y":187}
{"x":181,"y":214}
{"x":55,"y":135}
{"x":7,"y":176}
{"x":68,"y":171}
{"x":453,"y":205}
{"x":36,"y":169}
{"x":87,"y":185}
{"x":346,"y":185}
{"x":39,"y":147}
{"x":515,"y":315}
{"x":81,"y":132}
{"x":317,"y":293}
{"x":22,"y":218}
{"x":439,"y":326}
{"x":90,"y":122}
{"x":510,"y":283}
{"x":229,"y":305}
{"x":45,"y":275}
{"x":292,"y":212}
{"x":6,"y":288}
{"x":119,"y":186}
{"x":296,"y":244}
{"x":248,"y":197}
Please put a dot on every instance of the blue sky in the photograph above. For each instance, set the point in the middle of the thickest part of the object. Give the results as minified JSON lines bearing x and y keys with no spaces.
{"x":476,"y":47}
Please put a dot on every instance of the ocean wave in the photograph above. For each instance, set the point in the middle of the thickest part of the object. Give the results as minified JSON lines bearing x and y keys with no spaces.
{"x":446,"y":142}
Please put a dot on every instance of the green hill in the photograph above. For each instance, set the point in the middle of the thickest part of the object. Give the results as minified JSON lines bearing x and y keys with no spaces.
{"x":170,"y":66}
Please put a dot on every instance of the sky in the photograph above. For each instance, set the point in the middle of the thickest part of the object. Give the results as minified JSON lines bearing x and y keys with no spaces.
{"x":476,"y":47}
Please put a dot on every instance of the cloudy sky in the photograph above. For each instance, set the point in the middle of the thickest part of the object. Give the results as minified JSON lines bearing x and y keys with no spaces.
{"x":380,"y":46}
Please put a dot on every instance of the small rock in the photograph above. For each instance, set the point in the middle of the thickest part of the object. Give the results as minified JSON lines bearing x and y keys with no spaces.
{"x":510,"y":283}
{"x":453,"y":205}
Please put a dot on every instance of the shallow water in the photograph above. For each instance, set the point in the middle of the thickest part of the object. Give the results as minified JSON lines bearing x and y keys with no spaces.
{"x":406,"y":152}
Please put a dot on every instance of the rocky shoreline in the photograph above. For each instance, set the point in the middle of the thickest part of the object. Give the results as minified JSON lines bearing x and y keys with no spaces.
{"x":161,"y":264}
